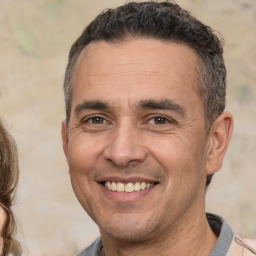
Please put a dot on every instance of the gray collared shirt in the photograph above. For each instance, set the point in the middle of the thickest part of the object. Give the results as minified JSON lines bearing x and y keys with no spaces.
{"x":218,"y":225}
{"x":224,"y":233}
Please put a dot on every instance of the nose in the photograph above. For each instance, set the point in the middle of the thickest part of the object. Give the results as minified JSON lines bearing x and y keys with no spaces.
{"x":125,"y":146}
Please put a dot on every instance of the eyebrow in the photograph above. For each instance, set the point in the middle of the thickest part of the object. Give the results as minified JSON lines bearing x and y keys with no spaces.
{"x":91,"y":104}
{"x":165,"y":104}
{"x":148,"y":104}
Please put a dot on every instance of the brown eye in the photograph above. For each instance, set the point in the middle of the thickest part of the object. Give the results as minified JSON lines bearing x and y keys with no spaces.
{"x":158,"y":120}
{"x":96,"y":120}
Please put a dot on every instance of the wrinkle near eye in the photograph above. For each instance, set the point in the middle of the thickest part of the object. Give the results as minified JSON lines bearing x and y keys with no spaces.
{"x":75,"y":129}
{"x":186,"y":135}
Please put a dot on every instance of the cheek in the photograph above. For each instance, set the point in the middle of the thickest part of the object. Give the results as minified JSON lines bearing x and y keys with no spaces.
{"x":169,"y":151}
{"x":83,"y":158}
{"x":81,"y":163}
{"x":84,"y":153}
{"x":180,"y":157}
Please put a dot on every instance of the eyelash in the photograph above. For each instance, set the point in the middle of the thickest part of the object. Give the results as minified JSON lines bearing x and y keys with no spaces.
{"x":91,"y":118}
{"x":153,"y":118}
{"x":167,"y":120}
{"x":158,"y":119}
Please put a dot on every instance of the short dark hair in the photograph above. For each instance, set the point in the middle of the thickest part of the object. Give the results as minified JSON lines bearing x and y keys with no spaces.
{"x":164,"y":21}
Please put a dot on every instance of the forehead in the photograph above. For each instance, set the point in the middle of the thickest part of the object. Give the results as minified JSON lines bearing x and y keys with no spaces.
{"x":147,"y":65}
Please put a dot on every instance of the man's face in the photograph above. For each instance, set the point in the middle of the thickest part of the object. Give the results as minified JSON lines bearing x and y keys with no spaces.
{"x":137,"y":125}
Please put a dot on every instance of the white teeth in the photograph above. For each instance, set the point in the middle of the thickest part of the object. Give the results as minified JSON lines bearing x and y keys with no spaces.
{"x":120,"y":187}
{"x":128,"y":187}
{"x":137,"y":186}
{"x":142,"y":185}
{"x":113,"y":186}
{"x":108,"y":185}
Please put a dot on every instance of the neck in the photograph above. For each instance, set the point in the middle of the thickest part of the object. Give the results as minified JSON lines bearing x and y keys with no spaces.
{"x":194,"y":237}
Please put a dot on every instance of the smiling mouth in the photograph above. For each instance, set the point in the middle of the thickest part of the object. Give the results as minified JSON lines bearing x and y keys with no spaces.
{"x":127,"y":187}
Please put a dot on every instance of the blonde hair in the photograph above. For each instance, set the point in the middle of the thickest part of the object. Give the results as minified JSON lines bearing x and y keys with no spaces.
{"x":9,"y":173}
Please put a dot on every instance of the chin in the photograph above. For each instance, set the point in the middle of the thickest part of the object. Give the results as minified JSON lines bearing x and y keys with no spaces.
{"x":128,"y":236}
{"x":132,"y":230}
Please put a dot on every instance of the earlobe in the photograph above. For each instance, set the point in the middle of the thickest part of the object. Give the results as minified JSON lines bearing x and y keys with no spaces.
{"x":64,"y":138}
{"x":220,"y":134}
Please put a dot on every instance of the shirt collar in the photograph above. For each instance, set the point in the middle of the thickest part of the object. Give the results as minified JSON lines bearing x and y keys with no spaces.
{"x":224,"y":233}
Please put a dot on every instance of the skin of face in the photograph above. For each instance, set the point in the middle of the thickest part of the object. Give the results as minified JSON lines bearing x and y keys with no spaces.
{"x":136,"y":116}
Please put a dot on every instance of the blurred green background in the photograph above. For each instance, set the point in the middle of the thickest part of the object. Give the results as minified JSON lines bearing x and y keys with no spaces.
{"x":35,"y":37}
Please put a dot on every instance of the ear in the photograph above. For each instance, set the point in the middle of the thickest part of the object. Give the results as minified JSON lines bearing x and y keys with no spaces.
{"x":64,"y":134}
{"x":220,"y":134}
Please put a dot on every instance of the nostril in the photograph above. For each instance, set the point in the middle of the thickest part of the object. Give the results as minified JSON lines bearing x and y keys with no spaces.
{"x":125,"y":158}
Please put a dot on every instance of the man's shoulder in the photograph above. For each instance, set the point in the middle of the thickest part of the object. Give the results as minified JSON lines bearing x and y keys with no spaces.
{"x":242,"y":246}
{"x":93,"y":250}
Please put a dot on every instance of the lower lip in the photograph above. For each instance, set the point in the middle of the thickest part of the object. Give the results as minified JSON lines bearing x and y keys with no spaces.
{"x":124,"y":196}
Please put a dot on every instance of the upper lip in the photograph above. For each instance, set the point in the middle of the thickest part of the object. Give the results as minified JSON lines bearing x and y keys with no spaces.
{"x":126,"y":179}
